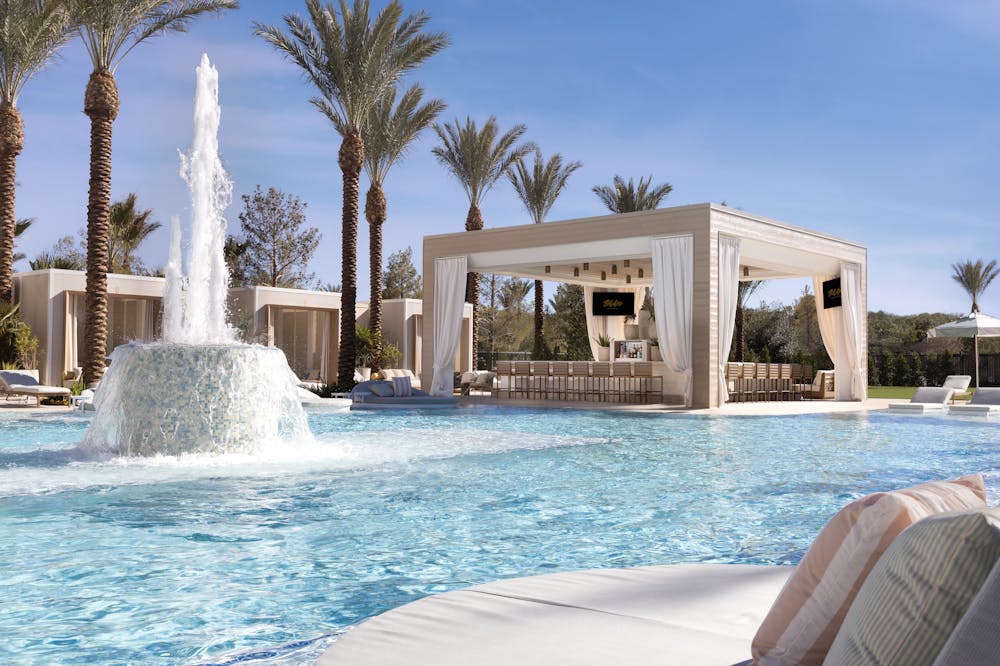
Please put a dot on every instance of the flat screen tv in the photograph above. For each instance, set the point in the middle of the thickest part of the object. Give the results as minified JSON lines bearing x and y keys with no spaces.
{"x":613,"y":304}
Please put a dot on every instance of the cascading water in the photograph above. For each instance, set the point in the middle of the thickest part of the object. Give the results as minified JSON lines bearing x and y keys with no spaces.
{"x":198,"y":390}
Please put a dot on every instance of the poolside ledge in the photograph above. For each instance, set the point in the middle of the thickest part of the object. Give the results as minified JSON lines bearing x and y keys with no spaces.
{"x":668,"y":614}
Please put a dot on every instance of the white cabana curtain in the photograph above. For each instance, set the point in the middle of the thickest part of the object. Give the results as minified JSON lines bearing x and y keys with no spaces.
{"x":827,"y":318}
{"x":599,"y":325}
{"x":853,"y":312}
{"x":75,"y":309}
{"x":729,"y":284}
{"x":449,"y":302}
{"x":673,"y":294}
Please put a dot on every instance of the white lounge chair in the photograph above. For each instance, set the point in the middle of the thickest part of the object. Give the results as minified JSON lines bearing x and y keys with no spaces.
{"x":25,"y":382}
{"x":985,"y":401}
{"x":926,"y":399}
{"x":958,"y":382}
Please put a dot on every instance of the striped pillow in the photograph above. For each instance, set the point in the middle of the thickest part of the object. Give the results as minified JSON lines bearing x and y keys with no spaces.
{"x":401,"y":387}
{"x":919,"y":591}
{"x":806,"y":616}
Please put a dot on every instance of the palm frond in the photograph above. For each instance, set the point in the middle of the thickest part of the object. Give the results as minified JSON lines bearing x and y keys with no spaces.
{"x":975,"y":277}
{"x":31,"y":33}
{"x":352,"y":60}
{"x":478,"y":157}
{"x":110,"y":29}
{"x":622,"y":197}
{"x":539,"y":186}
{"x":391,"y":128}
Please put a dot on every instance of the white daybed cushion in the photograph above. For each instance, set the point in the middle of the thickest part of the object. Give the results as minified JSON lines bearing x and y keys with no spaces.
{"x":683,"y":614}
{"x":925,"y":399}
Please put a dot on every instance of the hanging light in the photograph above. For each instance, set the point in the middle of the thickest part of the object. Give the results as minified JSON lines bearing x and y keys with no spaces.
{"x":604,"y":276}
{"x":640,"y":272}
{"x":586,"y":266}
{"x":576,"y":271}
{"x":746,"y":271}
{"x":614,"y":269}
{"x":628,"y":279}
{"x":548,"y":269}
{"x":626,"y":263}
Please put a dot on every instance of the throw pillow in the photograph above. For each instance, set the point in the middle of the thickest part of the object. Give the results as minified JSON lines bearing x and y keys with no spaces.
{"x":806,"y":616}
{"x":401,"y":386}
{"x":919,"y":591}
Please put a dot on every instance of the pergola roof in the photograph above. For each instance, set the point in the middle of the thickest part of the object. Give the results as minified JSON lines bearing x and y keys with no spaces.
{"x":594,"y":251}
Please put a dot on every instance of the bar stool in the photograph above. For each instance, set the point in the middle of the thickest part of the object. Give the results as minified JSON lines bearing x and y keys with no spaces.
{"x":600,"y":382}
{"x":649,"y":384}
{"x":504,"y":383}
{"x":733,"y":372}
{"x":773,"y":381}
{"x":786,"y":381}
{"x":560,"y":378}
{"x":622,"y":378}
{"x":580,"y":381}
{"x":540,"y":372}
{"x":522,"y":378}
{"x":760,"y":381}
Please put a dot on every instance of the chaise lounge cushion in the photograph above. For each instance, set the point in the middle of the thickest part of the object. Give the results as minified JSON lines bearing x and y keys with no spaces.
{"x":807,"y":614}
{"x":25,"y":382}
{"x":919,"y":591}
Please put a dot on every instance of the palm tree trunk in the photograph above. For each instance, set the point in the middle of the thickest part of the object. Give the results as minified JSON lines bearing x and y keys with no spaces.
{"x":539,"y":320}
{"x":350,"y":158}
{"x":11,"y":143}
{"x":474,"y":222}
{"x":100,"y":103}
{"x":375,"y":213}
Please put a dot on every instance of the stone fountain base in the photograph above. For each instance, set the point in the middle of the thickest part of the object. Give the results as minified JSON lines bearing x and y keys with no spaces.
{"x":169,"y":399}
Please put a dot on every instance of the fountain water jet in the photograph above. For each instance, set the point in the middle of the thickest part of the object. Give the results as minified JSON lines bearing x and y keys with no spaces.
{"x":198,"y":390}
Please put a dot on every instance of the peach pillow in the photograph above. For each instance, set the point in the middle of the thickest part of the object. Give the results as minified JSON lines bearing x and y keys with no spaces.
{"x":805,"y":618}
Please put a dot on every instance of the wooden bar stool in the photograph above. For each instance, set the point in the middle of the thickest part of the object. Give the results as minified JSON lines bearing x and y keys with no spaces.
{"x":580,"y":382}
{"x":600,"y":382}
{"x":560,"y":379}
{"x":622,"y":378}
{"x":522,"y":379}
{"x":650,"y":386}
{"x":504,"y":383}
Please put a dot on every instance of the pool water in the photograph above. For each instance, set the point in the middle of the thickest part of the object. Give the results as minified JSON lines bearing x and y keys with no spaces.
{"x":237,"y":559}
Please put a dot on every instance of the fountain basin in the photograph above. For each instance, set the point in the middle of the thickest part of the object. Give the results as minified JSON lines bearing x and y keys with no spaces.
{"x":170,"y":399}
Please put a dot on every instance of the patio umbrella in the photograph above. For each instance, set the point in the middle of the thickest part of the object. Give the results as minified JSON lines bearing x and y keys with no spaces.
{"x":975,"y":325}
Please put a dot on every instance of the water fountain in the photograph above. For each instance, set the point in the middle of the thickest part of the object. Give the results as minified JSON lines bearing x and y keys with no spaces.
{"x":198,"y":390}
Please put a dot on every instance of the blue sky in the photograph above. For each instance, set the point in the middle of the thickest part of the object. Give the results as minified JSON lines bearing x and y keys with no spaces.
{"x":874,"y":120}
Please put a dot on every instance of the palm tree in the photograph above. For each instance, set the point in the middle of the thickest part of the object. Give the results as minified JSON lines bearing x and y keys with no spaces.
{"x":538,"y":187}
{"x":622,"y":197}
{"x":110,"y":30}
{"x":975,"y":276}
{"x":388,"y":133}
{"x":478,"y":158}
{"x":127,"y":229}
{"x":31,"y":31}
{"x":353,"y":62}
{"x":743,"y":294}
{"x":20,"y":227}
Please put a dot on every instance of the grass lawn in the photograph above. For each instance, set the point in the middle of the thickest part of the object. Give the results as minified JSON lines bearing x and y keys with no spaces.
{"x":901,"y":392}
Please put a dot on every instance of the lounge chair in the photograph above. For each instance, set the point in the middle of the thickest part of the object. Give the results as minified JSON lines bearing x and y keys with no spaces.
{"x":822,"y":387}
{"x":985,"y":401}
{"x":25,"y":382}
{"x":379,"y":394}
{"x":926,"y":399}
{"x":961,"y":385}
{"x":478,"y":380}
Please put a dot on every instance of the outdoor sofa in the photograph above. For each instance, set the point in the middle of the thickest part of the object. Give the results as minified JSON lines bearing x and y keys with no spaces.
{"x":384,"y":394}
{"x":25,"y":382}
{"x":888,"y":581}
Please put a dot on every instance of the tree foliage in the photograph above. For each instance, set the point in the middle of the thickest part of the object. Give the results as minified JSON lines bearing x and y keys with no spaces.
{"x":567,"y":324}
{"x":400,"y":278}
{"x":975,"y":276}
{"x":273,"y":248}
{"x":128,"y":227}
{"x":627,"y":197}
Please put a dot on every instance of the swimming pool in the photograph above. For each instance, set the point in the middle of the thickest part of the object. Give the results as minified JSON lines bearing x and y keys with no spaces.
{"x":204,"y":559}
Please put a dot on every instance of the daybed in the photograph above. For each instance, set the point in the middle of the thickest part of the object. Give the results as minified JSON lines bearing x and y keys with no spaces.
{"x":25,"y":382}
{"x":478,"y":380}
{"x":908,"y":577}
{"x":926,"y":399}
{"x":380,"y":394}
{"x":985,"y":401}
{"x":389,"y":373}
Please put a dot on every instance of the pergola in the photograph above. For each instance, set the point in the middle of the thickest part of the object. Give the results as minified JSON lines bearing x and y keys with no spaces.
{"x":691,"y":256}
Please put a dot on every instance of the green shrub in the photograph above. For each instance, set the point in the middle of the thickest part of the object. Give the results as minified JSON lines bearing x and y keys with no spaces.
{"x":18,"y":347}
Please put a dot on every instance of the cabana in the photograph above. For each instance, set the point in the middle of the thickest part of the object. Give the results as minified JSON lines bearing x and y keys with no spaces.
{"x":692,"y":258}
